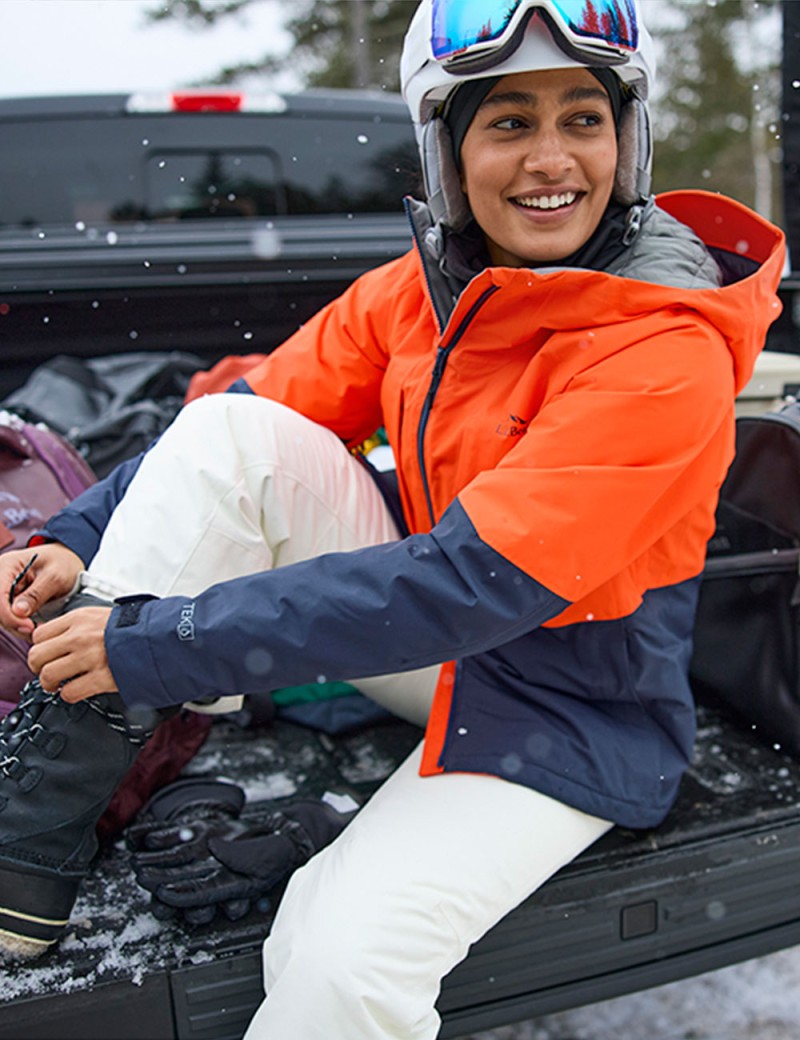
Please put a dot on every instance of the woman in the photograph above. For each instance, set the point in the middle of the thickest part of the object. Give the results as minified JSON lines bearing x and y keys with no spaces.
{"x":555,"y":363}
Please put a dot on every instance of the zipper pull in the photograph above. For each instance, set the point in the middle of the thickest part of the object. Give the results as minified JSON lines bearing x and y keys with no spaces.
{"x":436,"y":374}
{"x":439,"y":363}
{"x":434,"y":243}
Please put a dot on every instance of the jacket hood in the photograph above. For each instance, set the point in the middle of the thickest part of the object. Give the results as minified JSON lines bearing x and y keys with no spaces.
{"x":751,"y":254}
{"x":727,"y":260}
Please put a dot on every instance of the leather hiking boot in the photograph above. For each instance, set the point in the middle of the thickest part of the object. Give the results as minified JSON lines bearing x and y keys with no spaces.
{"x":60,"y":764}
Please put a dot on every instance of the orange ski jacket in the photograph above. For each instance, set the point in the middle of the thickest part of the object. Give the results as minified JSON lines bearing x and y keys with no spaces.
{"x":560,"y":438}
{"x":584,"y":419}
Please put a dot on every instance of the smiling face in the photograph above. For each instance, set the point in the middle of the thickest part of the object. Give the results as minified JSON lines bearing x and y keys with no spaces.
{"x":538,"y":164}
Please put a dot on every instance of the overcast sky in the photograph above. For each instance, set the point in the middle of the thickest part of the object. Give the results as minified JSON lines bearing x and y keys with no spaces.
{"x":84,"y":46}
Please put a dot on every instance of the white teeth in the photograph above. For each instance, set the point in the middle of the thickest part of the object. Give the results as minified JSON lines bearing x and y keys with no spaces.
{"x":548,"y":201}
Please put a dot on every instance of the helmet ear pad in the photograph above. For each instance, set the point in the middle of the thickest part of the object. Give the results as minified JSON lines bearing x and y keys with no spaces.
{"x":632,"y":181}
{"x":446,"y":200}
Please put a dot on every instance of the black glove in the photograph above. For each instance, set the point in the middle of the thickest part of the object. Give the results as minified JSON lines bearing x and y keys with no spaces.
{"x":194,"y":853}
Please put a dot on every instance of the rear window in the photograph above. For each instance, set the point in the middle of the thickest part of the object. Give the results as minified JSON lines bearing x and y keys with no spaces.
{"x":166,"y":167}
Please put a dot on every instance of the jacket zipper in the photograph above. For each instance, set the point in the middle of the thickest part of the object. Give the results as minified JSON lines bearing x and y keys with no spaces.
{"x":448,"y":733}
{"x":442,"y":354}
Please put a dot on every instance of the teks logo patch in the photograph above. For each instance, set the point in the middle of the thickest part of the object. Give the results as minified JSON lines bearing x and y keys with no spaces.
{"x":185,"y":627}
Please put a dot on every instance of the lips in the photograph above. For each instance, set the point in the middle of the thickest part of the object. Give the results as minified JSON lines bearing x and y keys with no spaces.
{"x":546,"y":202}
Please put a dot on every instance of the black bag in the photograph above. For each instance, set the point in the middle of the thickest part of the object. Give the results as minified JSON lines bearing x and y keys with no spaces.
{"x":109,"y":408}
{"x":747,"y":633}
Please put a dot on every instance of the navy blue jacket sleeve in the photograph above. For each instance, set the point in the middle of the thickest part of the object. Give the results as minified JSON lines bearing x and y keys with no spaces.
{"x":80,"y":524}
{"x":387,"y":608}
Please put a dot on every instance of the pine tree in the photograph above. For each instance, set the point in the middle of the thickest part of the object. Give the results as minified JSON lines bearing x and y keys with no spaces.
{"x":715,"y":113}
{"x":336,"y":43}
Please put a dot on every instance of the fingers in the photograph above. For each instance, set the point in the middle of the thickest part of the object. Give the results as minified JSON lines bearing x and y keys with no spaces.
{"x":27,"y":603}
{"x":20,"y":626}
{"x":69,"y":655}
{"x":78,"y":689}
{"x":16,"y":575}
{"x":29,"y":579}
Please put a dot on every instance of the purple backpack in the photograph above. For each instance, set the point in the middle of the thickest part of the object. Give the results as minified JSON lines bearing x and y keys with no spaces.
{"x":40,"y":472}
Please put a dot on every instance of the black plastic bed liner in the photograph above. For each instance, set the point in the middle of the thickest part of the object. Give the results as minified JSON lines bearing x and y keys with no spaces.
{"x":717,"y":883}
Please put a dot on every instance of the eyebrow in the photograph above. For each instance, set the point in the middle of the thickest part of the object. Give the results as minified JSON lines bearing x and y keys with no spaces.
{"x":524,"y":97}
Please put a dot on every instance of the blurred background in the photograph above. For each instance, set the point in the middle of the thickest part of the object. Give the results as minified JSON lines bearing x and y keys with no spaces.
{"x":717,"y":117}
{"x":716,"y":113}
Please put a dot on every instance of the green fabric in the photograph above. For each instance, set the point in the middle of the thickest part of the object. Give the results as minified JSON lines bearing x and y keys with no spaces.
{"x":311,"y":692}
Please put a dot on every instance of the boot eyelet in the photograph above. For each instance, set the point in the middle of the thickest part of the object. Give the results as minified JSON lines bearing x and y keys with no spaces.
{"x":30,"y":779}
{"x":52,"y":744}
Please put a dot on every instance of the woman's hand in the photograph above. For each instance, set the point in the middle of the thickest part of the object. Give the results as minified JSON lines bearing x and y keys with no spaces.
{"x":52,"y":575}
{"x":69,"y":654}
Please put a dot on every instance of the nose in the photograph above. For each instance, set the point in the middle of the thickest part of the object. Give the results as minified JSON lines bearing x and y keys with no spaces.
{"x":548,"y":154}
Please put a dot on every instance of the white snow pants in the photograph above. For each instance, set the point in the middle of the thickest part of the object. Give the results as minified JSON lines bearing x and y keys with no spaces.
{"x":369,"y":927}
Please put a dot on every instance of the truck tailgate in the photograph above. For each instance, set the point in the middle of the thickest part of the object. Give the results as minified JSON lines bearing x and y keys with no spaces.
{"x":717,"y":883}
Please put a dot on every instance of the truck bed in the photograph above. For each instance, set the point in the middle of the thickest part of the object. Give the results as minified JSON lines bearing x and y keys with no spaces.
{"x":717,"y":883}
{"x":211,"y":288}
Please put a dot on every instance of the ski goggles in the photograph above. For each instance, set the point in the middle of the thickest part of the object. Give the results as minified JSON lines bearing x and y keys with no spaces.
{"x":475,"y":35}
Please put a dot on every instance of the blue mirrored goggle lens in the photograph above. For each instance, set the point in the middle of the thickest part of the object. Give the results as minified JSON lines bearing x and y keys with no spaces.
{"x":458,"y":25}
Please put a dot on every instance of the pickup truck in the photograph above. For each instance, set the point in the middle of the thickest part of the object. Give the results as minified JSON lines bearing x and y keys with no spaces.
{"x":216,"y":223}
{"x":208,"y":222}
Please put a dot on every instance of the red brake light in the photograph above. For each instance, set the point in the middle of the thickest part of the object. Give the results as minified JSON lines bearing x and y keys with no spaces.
{"x":196,"y":102}
{"x":205,"y":100}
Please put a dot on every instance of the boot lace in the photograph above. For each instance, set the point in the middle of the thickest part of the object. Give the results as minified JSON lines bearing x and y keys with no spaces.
{"x":20,"y":725}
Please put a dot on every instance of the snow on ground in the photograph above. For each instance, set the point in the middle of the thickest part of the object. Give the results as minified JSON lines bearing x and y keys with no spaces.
{"x":757,"y":1000}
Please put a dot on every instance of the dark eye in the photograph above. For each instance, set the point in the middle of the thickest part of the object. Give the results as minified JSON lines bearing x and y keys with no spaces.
{"x":588,"y":119}
{"x":509,"y":123}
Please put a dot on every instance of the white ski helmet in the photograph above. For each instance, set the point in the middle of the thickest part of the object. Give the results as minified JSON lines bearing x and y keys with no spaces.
{"x":450,"y":42}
